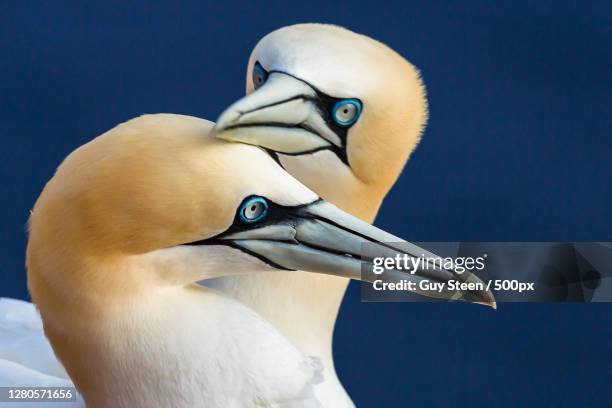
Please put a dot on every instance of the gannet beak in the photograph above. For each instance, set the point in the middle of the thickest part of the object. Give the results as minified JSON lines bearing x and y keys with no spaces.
{"x":285,"y":115}
{"x":321,"y":238}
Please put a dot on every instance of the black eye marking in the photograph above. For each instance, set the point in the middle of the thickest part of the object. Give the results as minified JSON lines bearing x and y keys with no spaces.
{"x":260,"y":75}
{"x":262,"y":212}
{"x":325,"y":105}
{"x":276,"y":214}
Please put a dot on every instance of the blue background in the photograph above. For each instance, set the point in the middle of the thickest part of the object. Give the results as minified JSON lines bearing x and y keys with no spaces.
{"x":518,"y":148}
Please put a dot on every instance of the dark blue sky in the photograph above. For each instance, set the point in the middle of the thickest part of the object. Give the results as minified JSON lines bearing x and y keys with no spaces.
{"x":518,"y":148}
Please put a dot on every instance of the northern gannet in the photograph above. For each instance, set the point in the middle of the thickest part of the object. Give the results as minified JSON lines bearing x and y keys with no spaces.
{"x":128,"y":224}
{"x":342,"y":113}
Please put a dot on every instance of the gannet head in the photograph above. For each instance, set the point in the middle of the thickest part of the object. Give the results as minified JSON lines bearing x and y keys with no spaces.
{"x":342,"y":111}
{"x":157,"y":202}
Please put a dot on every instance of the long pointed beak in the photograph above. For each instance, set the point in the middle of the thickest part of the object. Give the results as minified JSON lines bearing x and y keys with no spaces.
{"x":283,"y":115}
{"x":321,"y":238}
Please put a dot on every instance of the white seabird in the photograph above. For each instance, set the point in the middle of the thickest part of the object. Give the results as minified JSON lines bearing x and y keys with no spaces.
{"x":128,"y":224}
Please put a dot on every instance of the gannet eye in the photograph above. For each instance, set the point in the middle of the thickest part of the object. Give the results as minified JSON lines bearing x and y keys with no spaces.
{"x":347,"y":111}
{"x":259,"y":75}
{"x":253,"y":209}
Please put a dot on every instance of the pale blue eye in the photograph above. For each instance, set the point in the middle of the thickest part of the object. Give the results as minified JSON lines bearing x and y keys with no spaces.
{"x":347,"y":111}
{"x":259,"y":75}
{"x":253,"y":209}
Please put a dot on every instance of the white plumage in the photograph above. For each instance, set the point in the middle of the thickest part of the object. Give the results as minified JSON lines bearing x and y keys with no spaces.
{"x":26,"y":357}
{"x":238,"y":359}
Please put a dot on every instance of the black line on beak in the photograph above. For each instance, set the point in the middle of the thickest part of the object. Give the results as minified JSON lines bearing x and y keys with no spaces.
{"x":324,"y":104}
{"x":293,"y":98}
{"x":278,"y":214}
{"x":338,"y":151}
{"x":233,"y":244}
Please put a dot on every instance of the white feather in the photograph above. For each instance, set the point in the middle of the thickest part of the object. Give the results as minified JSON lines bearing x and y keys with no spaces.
{"x":26,"y":357}
{"x":230,"y":356}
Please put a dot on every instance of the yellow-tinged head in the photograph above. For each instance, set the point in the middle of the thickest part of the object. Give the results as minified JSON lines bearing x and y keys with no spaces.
{"x":342,"y":111}
{"x":154,"y":182}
